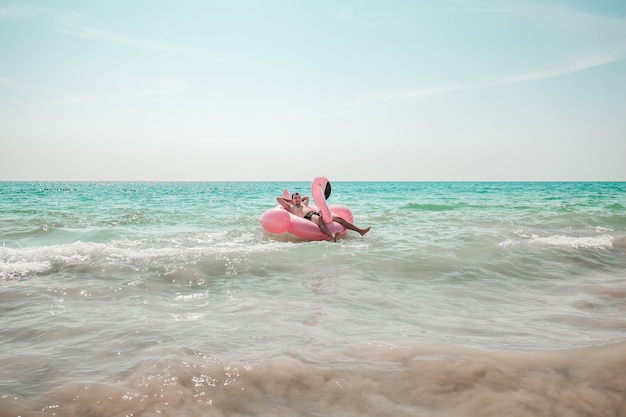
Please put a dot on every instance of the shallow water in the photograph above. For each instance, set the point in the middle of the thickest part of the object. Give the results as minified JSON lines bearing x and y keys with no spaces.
{"x":465,"y":299}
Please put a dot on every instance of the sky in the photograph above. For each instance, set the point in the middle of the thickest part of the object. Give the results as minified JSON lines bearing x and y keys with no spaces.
{"x":271,"y":90}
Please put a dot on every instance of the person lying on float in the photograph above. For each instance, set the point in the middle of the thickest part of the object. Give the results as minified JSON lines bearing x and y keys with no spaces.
{"x":299,"y":206}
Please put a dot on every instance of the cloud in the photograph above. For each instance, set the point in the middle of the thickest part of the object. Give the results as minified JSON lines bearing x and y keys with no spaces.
{"x":414,"y":94}
{"x":10,"y":83}
{"x":348,"y":16}
{"x":605,"y":43}
{"x":11,"y":10}
{"x":577,"y":65}
{"x":83,"y":31}
{"x":103,"y":35}
{"x":29,"y":11}
{"x":69,"y":23}
{"x":140,"y":87}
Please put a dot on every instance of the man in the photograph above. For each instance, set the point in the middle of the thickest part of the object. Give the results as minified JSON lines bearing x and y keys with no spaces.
{"x":299,"y":206}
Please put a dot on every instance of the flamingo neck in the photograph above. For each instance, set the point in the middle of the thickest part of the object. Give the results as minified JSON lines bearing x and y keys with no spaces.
{"x":317,"y":186}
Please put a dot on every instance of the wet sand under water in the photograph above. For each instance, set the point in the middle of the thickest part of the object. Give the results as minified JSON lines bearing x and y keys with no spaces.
{"x":375,"y":380}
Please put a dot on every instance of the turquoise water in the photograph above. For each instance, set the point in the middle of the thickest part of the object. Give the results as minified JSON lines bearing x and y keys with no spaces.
{"x":470,"y":299}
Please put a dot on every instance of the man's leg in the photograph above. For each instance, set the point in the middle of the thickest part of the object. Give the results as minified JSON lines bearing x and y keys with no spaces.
{"x":350,"y":226}
{"x":324,"y":228}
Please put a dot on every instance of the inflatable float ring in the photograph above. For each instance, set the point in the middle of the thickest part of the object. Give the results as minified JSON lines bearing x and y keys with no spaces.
{"x":279,"y":220}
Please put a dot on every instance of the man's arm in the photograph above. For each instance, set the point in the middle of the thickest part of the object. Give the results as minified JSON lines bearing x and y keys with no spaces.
{"x":284,"y":202}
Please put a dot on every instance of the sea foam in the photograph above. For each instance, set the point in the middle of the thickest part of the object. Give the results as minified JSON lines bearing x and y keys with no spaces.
{"x":602,"y":242}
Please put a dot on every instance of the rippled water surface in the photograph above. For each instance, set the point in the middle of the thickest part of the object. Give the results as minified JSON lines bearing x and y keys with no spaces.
{"x":465,"y":299}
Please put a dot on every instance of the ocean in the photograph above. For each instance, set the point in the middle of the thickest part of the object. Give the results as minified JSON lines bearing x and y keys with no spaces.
{"x":169,"y":299}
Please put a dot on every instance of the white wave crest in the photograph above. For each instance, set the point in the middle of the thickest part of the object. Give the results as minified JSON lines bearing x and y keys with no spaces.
{"x":19,"y":262}
{"x":585,"y":242}
{"x":604,"y":242}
